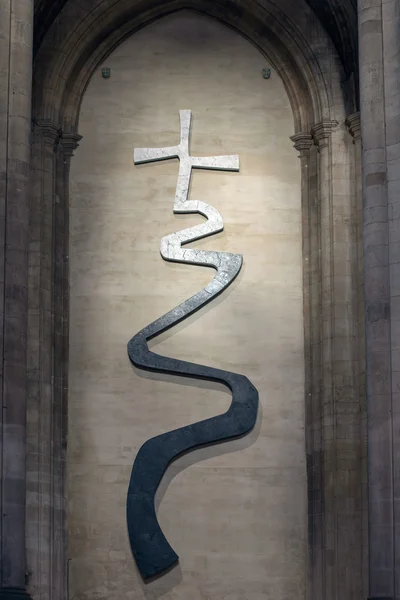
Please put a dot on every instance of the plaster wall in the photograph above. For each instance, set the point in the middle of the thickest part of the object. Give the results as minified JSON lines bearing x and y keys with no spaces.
{"x":236,"y":514}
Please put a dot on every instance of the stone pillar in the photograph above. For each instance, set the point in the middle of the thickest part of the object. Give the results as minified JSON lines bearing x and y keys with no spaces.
{"x":336,"y":460}
{"x":322,"y":134}
{"x":354,"y":126}
{"x":15,"y":128}
{"x":40,"y":420}
{"x":332,"y":356}
{"x":303,"y":143}
{"x":68,"y":143}
{"x":315,"y":453}
{"x":379,"y":56}
{"x":48,"y":361}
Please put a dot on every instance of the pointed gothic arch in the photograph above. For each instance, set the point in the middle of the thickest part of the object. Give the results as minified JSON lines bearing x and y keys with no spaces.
{"x":307,"y":63}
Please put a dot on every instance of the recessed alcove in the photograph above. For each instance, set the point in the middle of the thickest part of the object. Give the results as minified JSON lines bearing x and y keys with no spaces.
{"x":236,"y":513}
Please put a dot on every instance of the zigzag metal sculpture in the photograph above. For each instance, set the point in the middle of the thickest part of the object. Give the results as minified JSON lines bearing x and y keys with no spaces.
{"x":150,"y":548}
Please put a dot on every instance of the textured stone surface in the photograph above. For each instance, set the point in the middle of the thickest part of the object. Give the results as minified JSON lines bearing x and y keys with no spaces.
{"x":43,"y":465}
{"x":320,"y":89}
{"x":16,"y":25}
{"x":379,"y":35}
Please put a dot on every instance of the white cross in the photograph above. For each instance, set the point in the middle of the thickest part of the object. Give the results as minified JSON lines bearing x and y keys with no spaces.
{"x":187,"y":162}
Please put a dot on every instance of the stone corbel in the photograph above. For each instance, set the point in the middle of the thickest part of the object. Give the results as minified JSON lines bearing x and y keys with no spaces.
{"x":70,"y":142}
{"x":353,"y":124}
{"x":321,"y":133}
{"x":49,"y":131}
{"x":302,"y":143}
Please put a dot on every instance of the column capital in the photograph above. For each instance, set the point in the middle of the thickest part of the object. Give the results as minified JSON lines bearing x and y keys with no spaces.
{"x":321,"y":132}
{"x":302,"y":142}
{"x":353,"y":124}
{"x":70,"y":142}
{"x":49,"y":130}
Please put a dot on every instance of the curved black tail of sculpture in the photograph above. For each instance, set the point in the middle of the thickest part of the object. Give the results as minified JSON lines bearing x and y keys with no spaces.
{"x":152,"y":552}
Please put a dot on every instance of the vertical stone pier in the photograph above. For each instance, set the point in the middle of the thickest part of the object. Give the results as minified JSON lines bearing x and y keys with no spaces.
{"x":16,"y":23}
{"x":379,"y":50}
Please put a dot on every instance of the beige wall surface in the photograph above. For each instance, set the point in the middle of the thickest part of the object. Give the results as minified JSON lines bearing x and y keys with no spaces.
{"x":236,"y":514}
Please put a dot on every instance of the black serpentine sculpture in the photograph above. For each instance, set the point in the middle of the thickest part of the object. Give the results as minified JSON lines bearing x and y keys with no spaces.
{"x":150,"y":548}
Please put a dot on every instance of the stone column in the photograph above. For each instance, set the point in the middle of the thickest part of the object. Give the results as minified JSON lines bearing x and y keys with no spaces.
{"x":354,"y":126}
{"x":303,"y":143}
{"x":15,"y":128}
{"x":322,"y":135}
{"x":68,"y":143}
{"x":48,"y":361}
{"x":315,"y":452}
{"x":379,"y":55}
{"x":337,"y":515}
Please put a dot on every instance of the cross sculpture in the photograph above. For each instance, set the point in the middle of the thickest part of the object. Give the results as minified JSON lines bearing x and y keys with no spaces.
{"x":152,"y":552}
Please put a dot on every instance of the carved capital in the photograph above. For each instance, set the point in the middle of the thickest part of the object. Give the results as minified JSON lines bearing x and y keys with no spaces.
{"x":322,"y":131}
{"x":48,"y":130}
{"x":302,"y":143}
{"x":353,"y":123}
{"x":70,"y":142}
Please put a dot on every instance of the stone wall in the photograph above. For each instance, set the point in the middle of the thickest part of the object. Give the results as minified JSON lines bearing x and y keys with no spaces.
{"x":379,"y":34}
{"x":16,"y":31}
{"x":235,"y":514}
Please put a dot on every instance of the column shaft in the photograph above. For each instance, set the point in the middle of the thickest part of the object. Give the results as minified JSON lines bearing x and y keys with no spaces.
{"x":15,"y":128}
{"x":40,"y":417}
{"x":315,"y":460}
{"x":379,"y":51}
{"x":303,"y":142}
{"x":337,"y":514}
{"x":354,"y":127}
{"x":48,"y":361}
{"x":328,"y":468}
